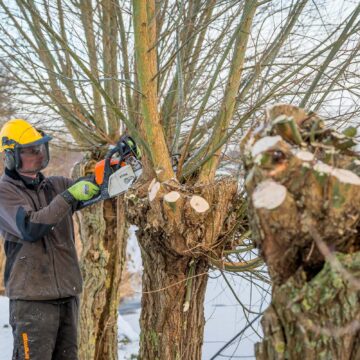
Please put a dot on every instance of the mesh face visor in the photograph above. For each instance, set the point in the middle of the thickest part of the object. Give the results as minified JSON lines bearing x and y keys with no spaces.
{"x":32,"y":159}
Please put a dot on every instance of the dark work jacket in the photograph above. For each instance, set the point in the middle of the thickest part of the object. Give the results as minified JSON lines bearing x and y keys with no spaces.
{"x":36,"y":224}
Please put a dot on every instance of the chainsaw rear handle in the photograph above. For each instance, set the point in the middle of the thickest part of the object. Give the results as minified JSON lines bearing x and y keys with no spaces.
{"x":84,"y":204}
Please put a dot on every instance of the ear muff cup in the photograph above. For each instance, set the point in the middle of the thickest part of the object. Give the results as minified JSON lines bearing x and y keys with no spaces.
{"x":10,"y":161}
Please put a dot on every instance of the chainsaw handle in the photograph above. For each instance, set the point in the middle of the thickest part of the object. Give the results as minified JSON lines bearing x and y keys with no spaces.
{"x":84,"y":204}
{"x":104,"y":187}
{"x":95,"y":199}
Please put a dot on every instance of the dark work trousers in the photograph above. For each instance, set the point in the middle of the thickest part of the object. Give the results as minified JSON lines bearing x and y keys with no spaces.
{"x":45,"y":330}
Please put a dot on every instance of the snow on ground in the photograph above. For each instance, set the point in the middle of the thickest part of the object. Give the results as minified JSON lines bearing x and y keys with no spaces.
{"x":5,"y":330}
{"x":224,"y":320}
{"x":224,"y":315}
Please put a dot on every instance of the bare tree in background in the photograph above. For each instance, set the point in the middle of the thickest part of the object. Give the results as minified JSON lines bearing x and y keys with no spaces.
{"x":6,"y":110}
{"x":186,"y":78}
{"x":6,"y":107}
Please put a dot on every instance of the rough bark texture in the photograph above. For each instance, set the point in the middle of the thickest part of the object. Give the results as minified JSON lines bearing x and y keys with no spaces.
{"x":176,"y":241}
{"x":304,"y":189}
{"x":172,"y":333}
{"x":315,"y":320}
{"x":2,"y":267}
{"x":103,"y":233}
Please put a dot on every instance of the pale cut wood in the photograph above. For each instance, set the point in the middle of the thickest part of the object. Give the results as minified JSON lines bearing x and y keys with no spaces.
{"x":304,"y":155}
{"x":154,"y":190}
{"x":172,"y":197}
{"x":269,"y":195}
{"x":343,"y":175}
{"x":153,"y":181}
{"x":199,"y":204}
{"x":264,"y":144}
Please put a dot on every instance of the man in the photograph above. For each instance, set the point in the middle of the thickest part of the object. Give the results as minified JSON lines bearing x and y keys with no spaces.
{"x":42,"y":274}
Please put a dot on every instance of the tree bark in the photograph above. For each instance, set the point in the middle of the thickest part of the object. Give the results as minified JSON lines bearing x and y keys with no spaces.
{"x":314,"y":320}
{"x":304,"y":189}
{"x":180,"y":228}
{"x":103,"y":233}
{"x":170,"y":332}
{"x":2,"y":267}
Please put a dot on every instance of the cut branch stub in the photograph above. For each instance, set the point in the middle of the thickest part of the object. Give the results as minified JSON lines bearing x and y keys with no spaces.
{"x":173,"y":205}
{"x":288,"y":129}
{"x":269,"y":195}
{"x":264,"y":144}
{"x":183,"y":218}
{"x":276,"y":213}
{"x":276,"y":110}
{"x":172,"y":197}
{"x":199,"y":204}
{"x":153,"y":190}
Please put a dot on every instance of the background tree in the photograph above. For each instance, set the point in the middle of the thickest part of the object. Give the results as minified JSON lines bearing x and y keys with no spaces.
{"x":6,"y":110}
{"x":183,"y":78}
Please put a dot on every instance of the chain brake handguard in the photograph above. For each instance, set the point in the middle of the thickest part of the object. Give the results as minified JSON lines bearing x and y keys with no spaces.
{"x":115,"y":182}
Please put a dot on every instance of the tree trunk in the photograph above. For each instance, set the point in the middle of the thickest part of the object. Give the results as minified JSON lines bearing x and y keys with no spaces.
{"x":314,"y":320}
{"x":304,"y":189}
{"x":170,"y":332}
{"x":179,"y":230}
{"x":2,"y":267}
{"x":103,"y":234}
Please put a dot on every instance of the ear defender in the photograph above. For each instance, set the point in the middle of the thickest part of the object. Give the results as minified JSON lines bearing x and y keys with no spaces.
{"x":10,"y":161}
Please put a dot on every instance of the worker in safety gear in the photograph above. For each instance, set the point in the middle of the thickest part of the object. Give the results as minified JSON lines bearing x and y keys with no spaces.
{"x":42,"y":274}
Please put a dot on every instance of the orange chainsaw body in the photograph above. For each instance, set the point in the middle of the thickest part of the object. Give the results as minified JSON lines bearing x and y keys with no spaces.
{"x":100,"y":168}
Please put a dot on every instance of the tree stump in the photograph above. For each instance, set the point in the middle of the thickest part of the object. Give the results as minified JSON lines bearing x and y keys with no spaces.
{"x":303,"y":187}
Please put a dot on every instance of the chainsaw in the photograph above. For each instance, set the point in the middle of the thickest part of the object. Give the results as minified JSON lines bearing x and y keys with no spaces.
{"x":115,"y":174}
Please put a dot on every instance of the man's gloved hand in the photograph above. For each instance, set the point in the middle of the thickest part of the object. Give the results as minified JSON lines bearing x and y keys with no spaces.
{"x":81,"y":191}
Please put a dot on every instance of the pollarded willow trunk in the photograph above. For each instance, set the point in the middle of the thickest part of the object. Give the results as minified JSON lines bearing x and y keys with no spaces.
{"x":180,"y":227}
{"x":173,"y":333}
{"x":304,"y":189}
{"x":103,"y":233}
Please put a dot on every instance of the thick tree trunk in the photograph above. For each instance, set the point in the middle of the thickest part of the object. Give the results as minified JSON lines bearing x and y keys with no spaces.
{"x":319,"y":319}
{"x":170,"y":330}
{"x":304,"y":189}
{"x":179,"y":230}
{"x":103,"y":234}
{"x":2,"y":267}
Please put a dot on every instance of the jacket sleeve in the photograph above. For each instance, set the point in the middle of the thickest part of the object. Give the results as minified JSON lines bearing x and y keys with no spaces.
{"x":19,"y":219}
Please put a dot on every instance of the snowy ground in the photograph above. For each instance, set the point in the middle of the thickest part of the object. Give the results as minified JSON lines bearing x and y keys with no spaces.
{"x":224,"y":315}
{"x":224,"y":320}
{"x":5,"y":330}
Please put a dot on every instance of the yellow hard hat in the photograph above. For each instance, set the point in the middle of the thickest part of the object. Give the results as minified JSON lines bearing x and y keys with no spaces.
{"x":18,"y":132}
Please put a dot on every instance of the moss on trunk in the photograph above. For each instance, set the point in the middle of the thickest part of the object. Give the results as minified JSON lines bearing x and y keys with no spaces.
{"x":304,"y":189}
{"x":314,"y":320}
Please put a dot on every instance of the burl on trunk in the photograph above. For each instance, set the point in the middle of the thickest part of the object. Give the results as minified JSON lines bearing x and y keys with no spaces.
{"x":304,"y":194}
